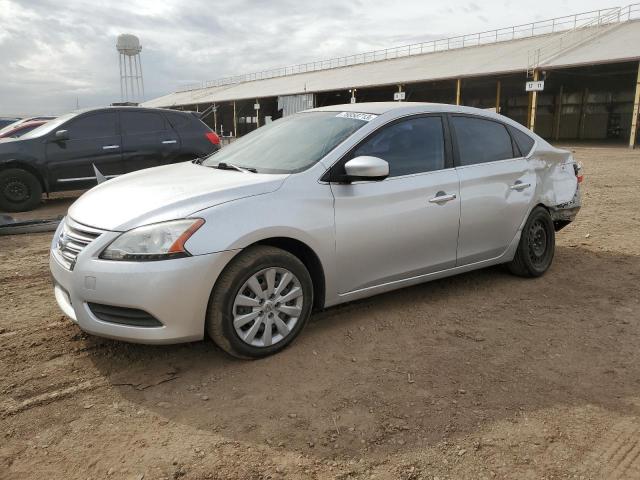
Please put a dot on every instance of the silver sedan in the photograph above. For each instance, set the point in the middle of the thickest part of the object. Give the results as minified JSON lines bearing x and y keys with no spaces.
{"x":313,"y":210}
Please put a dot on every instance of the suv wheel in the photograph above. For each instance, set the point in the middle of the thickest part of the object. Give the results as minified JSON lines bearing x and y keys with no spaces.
{"x":536,"y":247}
{"x":260,"y":303}
{"x":19,"y":190}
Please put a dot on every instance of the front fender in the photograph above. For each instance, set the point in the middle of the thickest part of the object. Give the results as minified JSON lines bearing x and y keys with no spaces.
{"x":29,"y":164}
{"x":240,"y":223}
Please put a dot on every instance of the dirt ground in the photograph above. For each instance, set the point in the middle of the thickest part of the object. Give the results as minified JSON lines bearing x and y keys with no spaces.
{"x":483,"y":375}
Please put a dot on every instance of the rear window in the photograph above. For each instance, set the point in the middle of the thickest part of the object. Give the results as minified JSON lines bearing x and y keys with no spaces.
{"x":481,"y":141}
{"x":524,"y":141}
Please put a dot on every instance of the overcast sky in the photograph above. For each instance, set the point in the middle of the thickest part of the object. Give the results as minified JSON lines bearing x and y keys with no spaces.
{"x":54,"y":54}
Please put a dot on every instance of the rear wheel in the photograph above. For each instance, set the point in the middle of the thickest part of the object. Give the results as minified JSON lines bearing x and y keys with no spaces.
{"x":260,"y":303}
{"x":20,"y":190}
{"x":537,"y":245}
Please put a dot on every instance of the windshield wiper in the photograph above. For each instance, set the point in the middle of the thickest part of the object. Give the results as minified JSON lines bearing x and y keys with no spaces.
{"x":231,"y":166}
{"x":198,"y":160}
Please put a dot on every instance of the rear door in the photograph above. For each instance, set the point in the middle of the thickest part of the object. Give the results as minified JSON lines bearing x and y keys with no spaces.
{"x":93,"y":140}
{"x":148,"y":140}
{"x":496,"y":187}
{"x":407,"y":224}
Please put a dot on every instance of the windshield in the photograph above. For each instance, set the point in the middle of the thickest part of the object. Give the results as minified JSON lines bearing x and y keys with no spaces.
{"x":49,"y":126}
{"x":10,"y":126}
{"x":289,"y":145}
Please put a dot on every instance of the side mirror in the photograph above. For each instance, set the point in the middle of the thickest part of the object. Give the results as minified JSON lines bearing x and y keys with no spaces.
{"x":366,"y":168}
{"x":61,"y":135}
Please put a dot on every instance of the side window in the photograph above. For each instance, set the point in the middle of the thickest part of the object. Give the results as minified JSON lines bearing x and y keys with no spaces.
{"x":481,"y":141}
{"x":409,"y":146}
{"x":524,"y":141}
{"x":177,"y":119}
{"x":141,"y":122}
{"x":97,"y":125}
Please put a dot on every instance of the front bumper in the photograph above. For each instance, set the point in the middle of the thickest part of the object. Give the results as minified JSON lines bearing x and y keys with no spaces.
{"x":176,"y":292}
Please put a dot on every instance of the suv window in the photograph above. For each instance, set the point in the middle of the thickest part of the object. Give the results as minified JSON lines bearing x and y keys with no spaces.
{"x":93,"y":126}
{"x":409,"y":146}
{"x":177,"y":119}
{"x":481,"y":141}
{"x":524,"y":141}
{"x":141,"y":122}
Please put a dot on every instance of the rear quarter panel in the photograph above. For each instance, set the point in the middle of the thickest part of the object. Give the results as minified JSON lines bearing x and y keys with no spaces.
{"x":557,"y":182}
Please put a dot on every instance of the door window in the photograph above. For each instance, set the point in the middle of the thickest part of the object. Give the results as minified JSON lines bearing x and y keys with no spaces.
{"x":410,"y":146}
{"x":481,"y":141}
{"x":141,"y":122}
{"x":524,"y":141}
{"x":93,"y":126}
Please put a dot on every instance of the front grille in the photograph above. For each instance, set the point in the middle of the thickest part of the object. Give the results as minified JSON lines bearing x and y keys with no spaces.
{"x":124,"y":316}
{"x":74,"y":237}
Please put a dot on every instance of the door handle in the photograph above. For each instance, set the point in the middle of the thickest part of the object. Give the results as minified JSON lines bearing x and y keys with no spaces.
{"x":442,"y":197}
{"x":519,"y":186}
{"x":110,"y":147}
{"x":166,"y":142}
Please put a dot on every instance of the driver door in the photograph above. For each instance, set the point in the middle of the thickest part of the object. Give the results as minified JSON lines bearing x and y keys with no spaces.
{"x":93,"y":140}
{"x":397,"y":228}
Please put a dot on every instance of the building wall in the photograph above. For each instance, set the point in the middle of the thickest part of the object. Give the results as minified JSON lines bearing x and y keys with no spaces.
{"x":583,"y":103}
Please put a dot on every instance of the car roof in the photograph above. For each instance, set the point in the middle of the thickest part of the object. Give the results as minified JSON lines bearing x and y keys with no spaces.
{"x":379,"y":108}
{"x":29,"y":123}
{"x":398,"y":109}
{"x":128,"y":107}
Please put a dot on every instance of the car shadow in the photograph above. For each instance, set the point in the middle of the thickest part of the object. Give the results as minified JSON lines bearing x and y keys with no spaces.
{"x":410,"y":367}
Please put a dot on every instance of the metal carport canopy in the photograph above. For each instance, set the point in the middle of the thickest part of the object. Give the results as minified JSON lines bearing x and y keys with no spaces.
{"x":618,"y":43}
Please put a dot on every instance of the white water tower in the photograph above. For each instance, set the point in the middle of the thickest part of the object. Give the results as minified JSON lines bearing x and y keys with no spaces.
{"x":131,"y":82}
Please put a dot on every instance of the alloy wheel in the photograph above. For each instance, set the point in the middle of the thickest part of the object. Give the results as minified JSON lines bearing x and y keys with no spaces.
{"x":267,"y":307}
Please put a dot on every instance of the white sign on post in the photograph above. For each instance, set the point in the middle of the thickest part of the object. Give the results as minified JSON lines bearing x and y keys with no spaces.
{"x":256,"y":106}
{"x":535,"y":86}
{"x":398,"y":96}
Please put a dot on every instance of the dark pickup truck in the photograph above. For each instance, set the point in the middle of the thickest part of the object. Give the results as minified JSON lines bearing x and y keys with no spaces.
{"x":61,"y":154}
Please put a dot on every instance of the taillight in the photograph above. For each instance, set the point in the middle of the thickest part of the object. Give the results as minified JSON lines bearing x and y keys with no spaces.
{"x":577,"y":168}
{"x":213,"y":137}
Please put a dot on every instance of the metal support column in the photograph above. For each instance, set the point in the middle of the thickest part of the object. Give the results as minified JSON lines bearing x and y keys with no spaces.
{"x":215,"y":118}
{"x":583,"y":113}
{"x":498,"y":88}
{"x":636,"y":107}
{"x":533,"y":103}
{"x":235,"y":121}
{"x":121,"y":89}
{"x":257,"y":114}
{"x":557,"y":114}
{"x":458,"y":91}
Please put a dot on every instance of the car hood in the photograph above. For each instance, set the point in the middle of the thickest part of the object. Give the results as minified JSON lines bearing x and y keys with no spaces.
{"x":166,"y":193}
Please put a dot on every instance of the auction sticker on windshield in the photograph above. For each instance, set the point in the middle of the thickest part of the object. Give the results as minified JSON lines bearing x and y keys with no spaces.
{"x":367,"y":117}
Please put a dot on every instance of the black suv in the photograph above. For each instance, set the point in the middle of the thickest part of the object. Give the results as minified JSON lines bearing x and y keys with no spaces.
{"x":61,"y":154}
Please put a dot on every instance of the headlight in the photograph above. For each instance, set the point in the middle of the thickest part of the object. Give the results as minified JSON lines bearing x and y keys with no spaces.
{"x":159,"y":241}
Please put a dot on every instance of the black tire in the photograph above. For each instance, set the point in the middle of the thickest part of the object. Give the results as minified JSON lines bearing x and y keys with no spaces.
{"x":220,"y":312}
{"x":537,"y":245}
{"x":20,"y":190}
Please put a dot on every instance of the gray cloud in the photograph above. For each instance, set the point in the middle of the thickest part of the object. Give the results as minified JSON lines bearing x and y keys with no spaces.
{"x":54,"y":54}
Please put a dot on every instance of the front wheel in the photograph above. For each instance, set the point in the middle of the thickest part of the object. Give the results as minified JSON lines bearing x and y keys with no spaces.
{"x":20,"y":190}
{"x":537,"y":245}
{"x":260,"y":303}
